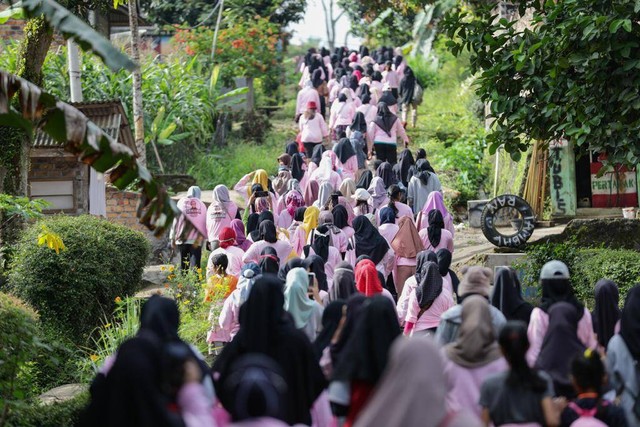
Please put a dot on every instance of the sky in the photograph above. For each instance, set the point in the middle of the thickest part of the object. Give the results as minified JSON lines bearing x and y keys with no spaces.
{"x":313,"y":26}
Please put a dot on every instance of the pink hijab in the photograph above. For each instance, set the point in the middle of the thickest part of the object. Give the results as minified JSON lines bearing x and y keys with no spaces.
{"x":435,"y":201}
{"x":241,"y":240}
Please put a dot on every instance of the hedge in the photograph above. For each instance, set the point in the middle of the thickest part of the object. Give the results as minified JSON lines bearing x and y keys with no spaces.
{"x":586,"y":267}
{"x":61,"y":414}
{"x":73,"y":290}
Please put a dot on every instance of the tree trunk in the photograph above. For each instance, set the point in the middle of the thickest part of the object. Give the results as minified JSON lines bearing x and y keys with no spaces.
{"x":138,"y":112}
{"x":15,"y":144}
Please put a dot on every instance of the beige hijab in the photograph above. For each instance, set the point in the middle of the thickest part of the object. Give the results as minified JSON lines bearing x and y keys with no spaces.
{"x":407,"y":242}
{"x":412,"y":391}
{"x":476,"y":344}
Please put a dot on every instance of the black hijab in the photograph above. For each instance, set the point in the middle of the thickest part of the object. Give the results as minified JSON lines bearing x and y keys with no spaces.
{"x":444,"y":265}
{"x":252,"y":222}
{"x":315,"y":265}
{"x":436,"y":224}
{"x":430,"y":285}
{"x":353,"y":82}
{"x":607,"y":312}
{"x":354,"y":307}
{"x":385,"y":171}
{"x":316,"y":79}
{"x":267,"y":329}
{"x":291,"y":148}
{"x":316,"y":154}
{"x":363,"y":89}
{"x":385,"y":119}
{"x":422,"y":259}
{"x":340,"y":216}
{"x":288,"y":266}
{"x":321,"y":239}
{"x":296,"y":166}
{"x":331,"y":317}
{"x":387,"y":98}
{"x":401,"y":169}
{"x":507,"y":296}
{"x":256,"y":388}
{"x":299,"y":213}
{"x":365,"y":180}
{"x":407,"y":86}
{"x":359,"y":123}
{"x":256,"y":234}
{"x":344,"y":282}
{"x":422,"y":171}
{"x":560,"y":344}
{"x":267,"y":230}
{"x":559,"y":290}
{"x":344,"y":150}
{"x":367,"y":351}
{"x":269,"y":261}
{"x":397,"y":60}
{"x":368,"y":240}
{"x":630,"y":322}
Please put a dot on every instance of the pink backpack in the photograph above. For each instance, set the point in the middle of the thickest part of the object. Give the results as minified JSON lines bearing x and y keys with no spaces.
{"x":587,"y":416}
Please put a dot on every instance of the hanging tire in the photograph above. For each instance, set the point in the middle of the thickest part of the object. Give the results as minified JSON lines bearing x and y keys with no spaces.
{"x":525,"y":230}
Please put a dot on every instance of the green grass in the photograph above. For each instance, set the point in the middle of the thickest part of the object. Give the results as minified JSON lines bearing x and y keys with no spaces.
{"x":231,"y":163}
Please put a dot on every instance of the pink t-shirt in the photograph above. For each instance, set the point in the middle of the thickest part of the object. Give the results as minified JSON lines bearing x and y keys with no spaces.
{"x":388,"y":231}
{"x":313,"y":130}
{"x":234,"y":255}
{"x":219,"y":217}
{"x":284,"y":219}
{"x":403,"y":210}
{"x":376,"y":134}
{"x":431,"y":318}
{"x":391,"y":77}
{"x":282,"y":247}
{"x":538,"y":325}
{"x":464,"y":383}
{"x":306,"y":95}
{"x":369,"y":110}
{"x":342,"y":114}
{"x":348,"y":169}
{"x":446,"y":241}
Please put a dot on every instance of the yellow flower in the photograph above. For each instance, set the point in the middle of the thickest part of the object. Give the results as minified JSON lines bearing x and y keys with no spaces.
{"x":108,"y":325}
{"x":186,"y":302}
{"x":94,"y":358}
{"x":171,"y":269}
{"x":118,"y":300}
{"x":171,"y":276}
{"x":163,"y":268}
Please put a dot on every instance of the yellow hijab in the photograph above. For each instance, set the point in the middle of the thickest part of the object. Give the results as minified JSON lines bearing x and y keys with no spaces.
{"x":260,"y":177}
{"x":310,"y":220}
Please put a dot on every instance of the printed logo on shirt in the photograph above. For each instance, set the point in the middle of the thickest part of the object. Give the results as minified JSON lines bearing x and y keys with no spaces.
{"x":193,"y":208}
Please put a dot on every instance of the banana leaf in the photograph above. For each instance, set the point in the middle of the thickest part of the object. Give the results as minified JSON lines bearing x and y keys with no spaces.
{"x":81,"y":137}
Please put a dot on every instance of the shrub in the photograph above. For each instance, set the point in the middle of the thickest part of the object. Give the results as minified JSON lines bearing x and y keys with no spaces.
{"x":622,"y":266}
{"x":62,"y":414}
{"x":72,"y":289}
{"x":19,"y":341}
{"x":586,"y":267}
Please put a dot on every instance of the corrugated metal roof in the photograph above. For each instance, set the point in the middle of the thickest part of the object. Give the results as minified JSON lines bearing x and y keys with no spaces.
{"x":108,"y":115}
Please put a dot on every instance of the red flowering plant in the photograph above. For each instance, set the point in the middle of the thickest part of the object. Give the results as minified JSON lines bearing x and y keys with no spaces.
{"x":244,"y":48}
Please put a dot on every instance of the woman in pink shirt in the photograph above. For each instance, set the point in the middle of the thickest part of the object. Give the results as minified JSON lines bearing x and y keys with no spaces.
{"x":325,"y":173}
{"x":400,"y":209}
{"x":268,"y":237}
{"x":435,"y":237}
{"x":388,"y":228}
{"x":556,"y":287}
{"x":427,"y":302}
{"x":342,"y":113}
{"x":341,"y":220}
{"x":410,"y":285}
{"x":383,"y":133}
{"x":406,"y":245}
{"x":474,"y":356}
{"x":307,"y":95}
{"x":320,"y":245}
{"x":346,"y":162}
{"x":220,"y":213}
{"x":313,"y":129}
{"x":368,"y":109}
{"x":391,"y":77}
{"x":435,"y":200}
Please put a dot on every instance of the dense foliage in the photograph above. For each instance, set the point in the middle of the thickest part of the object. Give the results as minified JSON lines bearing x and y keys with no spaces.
{"x":571,"y":72}
{"x":586,"y":266}
{"x":102,"y":261}
{"x":54,"y":415}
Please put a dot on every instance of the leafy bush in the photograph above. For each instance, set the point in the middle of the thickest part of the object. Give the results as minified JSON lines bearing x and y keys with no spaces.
{"x":586,"y":267}
{"x":62,"y":414}
{"x":71,"y":290}
{"x":622,"y":266}
{"x":426,"y":72}
{"x":19,"y":338}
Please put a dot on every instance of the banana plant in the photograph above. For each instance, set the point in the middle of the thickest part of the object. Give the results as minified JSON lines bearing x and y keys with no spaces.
{"x":81,"y":137}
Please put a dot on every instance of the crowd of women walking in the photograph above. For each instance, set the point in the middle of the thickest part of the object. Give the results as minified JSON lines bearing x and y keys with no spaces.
{"x":342,"y":308}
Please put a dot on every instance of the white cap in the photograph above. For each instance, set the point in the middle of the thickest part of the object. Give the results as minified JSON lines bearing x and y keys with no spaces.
{"x":362,"y":194}
{"x":554,"y":270}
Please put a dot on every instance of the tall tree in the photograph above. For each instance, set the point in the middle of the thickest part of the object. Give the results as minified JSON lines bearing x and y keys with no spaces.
{"x":331,"y":18}
{"x":280,"y":12}
{"x":572,"y":72}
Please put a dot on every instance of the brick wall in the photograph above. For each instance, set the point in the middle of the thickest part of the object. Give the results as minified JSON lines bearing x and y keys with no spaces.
{"x":121,"y":208}
{"x":52,"y":164}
